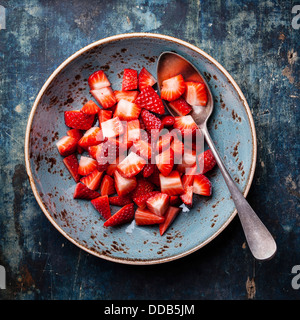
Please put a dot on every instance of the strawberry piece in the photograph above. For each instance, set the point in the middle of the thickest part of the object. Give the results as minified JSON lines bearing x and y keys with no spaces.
{"x":150,"y":100}
{"x":146,"y":217}
{"x":133,"y":130}
{"x":120,"y":201}
{"x":90,"y":108}
{"x":171,"y":184}
{"x":72,"y":165}
{"x":145,"y":79}
{"x":206,"y":161}
{"x":92,"y":137}
{"x":143,"y":149}
{"x":131,"y":165}
{"x":77,"y":119}
{"x":104,"y":115}
{"x":124,"y":138}
{"x":101,"y":204}
{"x":187,"y":196}
{"x":112,"y":128}
{"x":105,"y":96}
{"x":98,"y":80}
{"x":143,"y":187}
{"x":170,"y":216}
{"x":86,"y":165}
{"x":186,"y":125}
{"x":180,"y":106}
{"x":172,"y":88}
{"x":93,"y":150}
{"x":75,"y":133}
{"x":158,"y":204}
{"x":154,"y":178}
{"x":148,"y":170}
{"x":174,"y":200}
{"x":195,"y":93}
{"x":151,"y":122}
{"x":92,"y":180}
{"x":164,"y":142}
{"x":66,"y":145}
{"x":124,"y":215}
{"x":178,"y":148}
{"x":202,"y":185}
{"x":165,"y":161}
{"x":107,"y":186}
{"x":141,"y":200}
{"x":130,"y":80}
{"x":83,"y":192}
{"x":124,"y":185}
{"x":109,"y":153}
{"x":127,"y":110}
{"x":126,"y":95}
{"x":167,"y":121}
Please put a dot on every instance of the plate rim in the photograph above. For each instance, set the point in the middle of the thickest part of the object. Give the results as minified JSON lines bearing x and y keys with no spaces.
{"x":105,"y":41}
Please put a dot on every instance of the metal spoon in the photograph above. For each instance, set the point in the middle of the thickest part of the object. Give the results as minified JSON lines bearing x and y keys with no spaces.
{"x":259,"y":239}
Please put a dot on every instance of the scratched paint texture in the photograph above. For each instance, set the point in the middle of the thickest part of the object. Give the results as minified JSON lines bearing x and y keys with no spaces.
{"x":255,"y":42}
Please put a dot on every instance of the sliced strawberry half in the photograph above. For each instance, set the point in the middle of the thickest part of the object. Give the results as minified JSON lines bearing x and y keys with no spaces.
{"x":104,"y":115}
{"x":72,"y":165}
{"x":180,"y":106}
{"x":171,"y":184}
{"x":120,"y":200}
{"x":206,"y":161}
{"x":86,"y":165}
{"x":186,"y":125}
{"x":107,"y":186}
{"x":124,"y":185}
{"x":126,"y":95}
{"x":92,"y":180}
{"x":195,"y":93}
{"x":172,"y":88}
{"x":170,"y":216}
{"x":90,"y":108}
{"x":165,"y":161}
{"x":91,"y":137}
{"x":131,"y":165}
{"x":77,"y":119}
{"x":127,"y":110}
{"x":124,"y":215}
{"x":101,"y":204}
{"x":66,"y":145}
{"x":105,"y":96}
{"x":202,"y":185}
{"x":130,"y":80}
{"x":145,"y":79}
{"x":158,"y":204}
{"x":98,"y":80}
{"x":150,"y":100}
{"x":83,"y":192}
{"x":112,"y":128}
{"x":146,"y":217}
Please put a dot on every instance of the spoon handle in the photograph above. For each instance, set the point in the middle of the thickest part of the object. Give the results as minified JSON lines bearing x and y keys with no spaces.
{"x":260,"y":241}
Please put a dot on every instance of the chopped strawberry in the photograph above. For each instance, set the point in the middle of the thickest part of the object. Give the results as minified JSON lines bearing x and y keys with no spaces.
{"x":165,"y":161}
{"x":145,"y":79}
{"x":101,"y":204}
{"x":180,"y":106}
{"x":105,"y":96}
{"x":104,"y":115}
{"x":90,"y":108}
{"x":154,"y":178}
{"x":150,"y":100}
{"x":112,"y":128}
{"x":171,"y":184}
{"x":164,"y":141}
{"x":195,"y":93}
{"x":72,"y":165}
{"x":158,"y":204}
{"x":107,"y":186}
{"x":75,"y":133}
{"x":83,"y":192}
{"x":126,"y":95}
{"x":202,"y":185}
{"x":92,"y":180}
{"x":66,"y":145}
{"x":178,"y":148}
{"x":146,"y":217}
{"x":133,"y":130}
{"x":148,"y":169}
{"x":143,"y":187}
{"x":98,"y":80}
{"x":93,"y":150}
{"x":120,"y":201}
{"x":170,"y":216}
{"x":124,"y":185}
{"x":131,"y":165}
{"x":186,"y":125}
{"x":92,"y":137}
{"x":143,"y":149}
{"x":127,"y":110}
{"x":172,"y":88}
{"x":124,"y":138}
{"x":187,"y":196}
{"x":124,"y":215}
{"x":167,"y":121}
{"x":206,"y":161}
{"x":174,"y":200}
{"x":130,"y":80}
{"x":77,"y":119}
{"x":151,"y":122}
{"x":141,"y":200}
{"x":86,"y":165}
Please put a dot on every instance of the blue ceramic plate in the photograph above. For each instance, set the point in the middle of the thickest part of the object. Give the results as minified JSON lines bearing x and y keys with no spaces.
{"x":231,"y":127}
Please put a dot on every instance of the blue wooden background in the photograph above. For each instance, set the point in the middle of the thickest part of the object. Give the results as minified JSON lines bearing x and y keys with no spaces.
{"x":256,"y":43}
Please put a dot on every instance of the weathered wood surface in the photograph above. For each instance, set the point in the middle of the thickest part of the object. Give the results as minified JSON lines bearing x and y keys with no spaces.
{"x":256,"y":43}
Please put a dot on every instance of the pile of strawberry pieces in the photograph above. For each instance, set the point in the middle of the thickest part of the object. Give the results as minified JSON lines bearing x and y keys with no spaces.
{"x":125,"y":161}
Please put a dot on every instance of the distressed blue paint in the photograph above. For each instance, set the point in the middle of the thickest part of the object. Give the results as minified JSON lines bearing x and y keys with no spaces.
{"x":255,"y":42}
